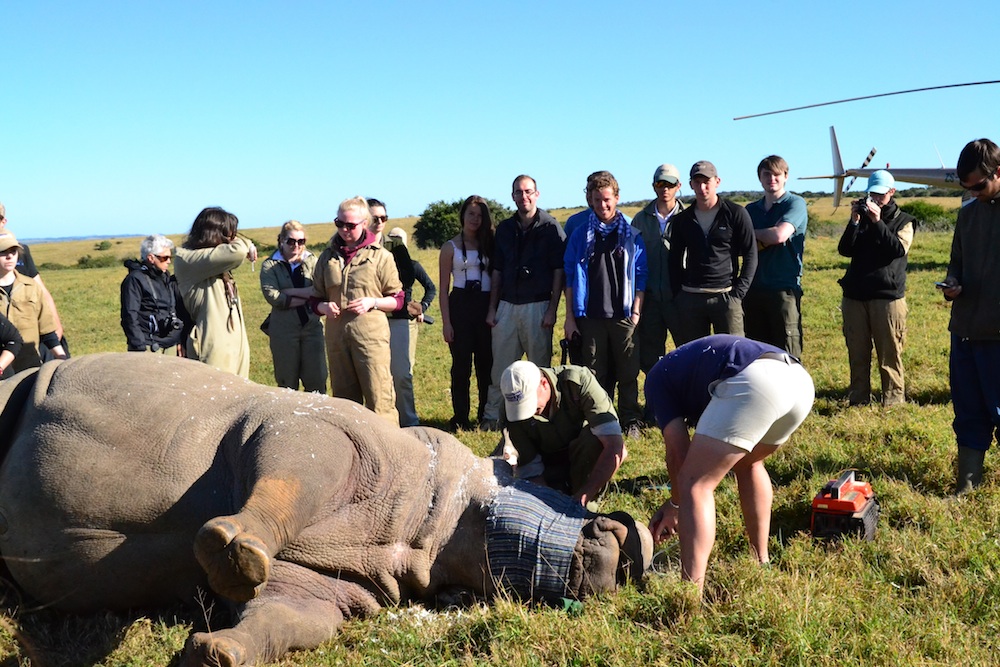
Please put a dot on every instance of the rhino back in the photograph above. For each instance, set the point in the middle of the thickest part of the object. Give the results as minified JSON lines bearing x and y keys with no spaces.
{"x":115,"y":464}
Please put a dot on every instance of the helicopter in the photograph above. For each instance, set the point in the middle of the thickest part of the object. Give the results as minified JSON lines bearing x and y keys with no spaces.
{"x":934,"y":176}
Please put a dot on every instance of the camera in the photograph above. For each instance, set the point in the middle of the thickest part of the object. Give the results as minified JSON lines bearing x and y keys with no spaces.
{"x":171,"y":323}
{"x":524,"y":272}
{"x":474,"y":285}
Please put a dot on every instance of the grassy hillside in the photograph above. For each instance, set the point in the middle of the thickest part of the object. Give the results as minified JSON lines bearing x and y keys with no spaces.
{"x":926,"y":591}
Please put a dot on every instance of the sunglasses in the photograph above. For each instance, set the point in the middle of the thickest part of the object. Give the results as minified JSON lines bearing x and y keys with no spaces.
{"x":345,"y":225}
{"x":162,"y":258}
{"x":294,"y":242}
{"x":665,"y":184}
{"x":980,"y":186}
{"x":380,"y":218}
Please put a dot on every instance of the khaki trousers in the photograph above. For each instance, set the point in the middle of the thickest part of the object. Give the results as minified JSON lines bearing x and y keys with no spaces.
{"x":882,"y":322}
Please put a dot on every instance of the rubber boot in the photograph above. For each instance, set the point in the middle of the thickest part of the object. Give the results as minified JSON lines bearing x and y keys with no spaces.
{"x":970,"y":469}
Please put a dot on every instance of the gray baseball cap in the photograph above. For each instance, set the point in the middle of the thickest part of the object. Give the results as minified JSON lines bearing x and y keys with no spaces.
{"x":704,"y":168}
{"x":668,"y":173}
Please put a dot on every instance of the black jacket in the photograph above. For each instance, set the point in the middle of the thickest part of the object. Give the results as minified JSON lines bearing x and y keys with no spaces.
{"x":150,"y":308}
{"x":878,"y":256}
{"x":713,"y":261}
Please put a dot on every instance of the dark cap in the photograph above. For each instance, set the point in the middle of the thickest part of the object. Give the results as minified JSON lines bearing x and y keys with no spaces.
{"x":704,"y":168}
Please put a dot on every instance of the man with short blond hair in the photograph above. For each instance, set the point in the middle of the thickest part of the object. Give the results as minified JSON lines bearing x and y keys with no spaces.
{"x":605,"y":265}
{"x":526,"y":285}
{"x":772,"y":307}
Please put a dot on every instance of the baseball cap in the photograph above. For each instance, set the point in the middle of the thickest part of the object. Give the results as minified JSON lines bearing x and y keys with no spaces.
{"x":7,"y":241}
{"x":519,"y":386}
{"x":880,"y":182}
{"x":668,"y":173}
{"x":704,"y":168}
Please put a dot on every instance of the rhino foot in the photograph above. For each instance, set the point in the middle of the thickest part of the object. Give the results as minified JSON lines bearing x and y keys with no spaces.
{"x":236,"y":562}
{"x":206,"y":649}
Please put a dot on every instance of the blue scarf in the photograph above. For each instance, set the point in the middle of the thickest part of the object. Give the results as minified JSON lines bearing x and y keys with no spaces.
{"x":595,"y":226}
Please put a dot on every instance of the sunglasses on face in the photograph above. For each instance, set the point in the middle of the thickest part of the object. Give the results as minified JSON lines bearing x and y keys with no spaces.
{"x":345,"y":225}
{"x":664,"y":184}
{"x":295,"y":242}
{"x":980,"y":186}
{"x":380,"y":218}
{"x":162,"y":258}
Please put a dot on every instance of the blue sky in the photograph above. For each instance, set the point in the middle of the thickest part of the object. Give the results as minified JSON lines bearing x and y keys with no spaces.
{"x":130,"y":117}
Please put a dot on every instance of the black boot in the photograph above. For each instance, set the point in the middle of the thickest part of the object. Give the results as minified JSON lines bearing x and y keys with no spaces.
{"x":970,"y":469}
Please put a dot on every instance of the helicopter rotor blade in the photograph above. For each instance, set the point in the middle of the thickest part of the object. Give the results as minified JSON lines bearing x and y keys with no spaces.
{"x":867,"y":97}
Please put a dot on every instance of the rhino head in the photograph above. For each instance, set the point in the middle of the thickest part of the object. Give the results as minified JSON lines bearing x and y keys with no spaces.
{"x":543,"y":545}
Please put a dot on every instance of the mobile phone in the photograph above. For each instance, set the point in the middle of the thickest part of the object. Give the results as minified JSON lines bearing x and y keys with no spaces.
{"x":940,"y":285}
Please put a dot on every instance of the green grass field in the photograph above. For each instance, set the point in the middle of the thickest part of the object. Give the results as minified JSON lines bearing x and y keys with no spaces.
{"x":926,"y":591}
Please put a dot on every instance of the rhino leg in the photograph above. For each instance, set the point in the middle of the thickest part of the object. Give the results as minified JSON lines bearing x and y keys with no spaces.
{"x":299,"y":610}
{"x":237,"y":563}
{"x":236,"y":551}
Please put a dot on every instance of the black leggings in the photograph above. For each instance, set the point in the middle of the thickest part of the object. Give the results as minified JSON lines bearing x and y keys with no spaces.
{"x":473,"y":339}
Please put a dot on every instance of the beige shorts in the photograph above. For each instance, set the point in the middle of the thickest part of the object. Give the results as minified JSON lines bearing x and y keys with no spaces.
{"x":764,"y":403}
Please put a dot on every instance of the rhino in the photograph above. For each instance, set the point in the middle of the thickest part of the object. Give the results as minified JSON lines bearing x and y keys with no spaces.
{"x":137,"y":480}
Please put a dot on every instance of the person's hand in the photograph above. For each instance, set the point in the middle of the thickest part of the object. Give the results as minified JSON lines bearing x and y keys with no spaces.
{"x":252,"y":253}
{"x":570,"y":329}
{"x":549,"y":318}
{"x":328,"y":308}
{"x":362,"y":305}
{"x":874,"y":210}
{"x":491,"y":317}
{"x":664,"y":523}
{"x":952,"y":290}
{"x":449,"y":333}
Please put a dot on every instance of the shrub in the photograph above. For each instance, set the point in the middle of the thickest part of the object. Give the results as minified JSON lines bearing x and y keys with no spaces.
{"x":103,"y":245}
{"x":439,"y":221}
{"x":930,"y":216}
{"x":102,"y":262}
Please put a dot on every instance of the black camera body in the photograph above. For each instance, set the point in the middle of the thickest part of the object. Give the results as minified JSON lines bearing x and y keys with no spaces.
{"x":171,"y":323}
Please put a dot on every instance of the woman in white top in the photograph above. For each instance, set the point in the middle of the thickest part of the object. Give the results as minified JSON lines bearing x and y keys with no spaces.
{"x":465,"y":270}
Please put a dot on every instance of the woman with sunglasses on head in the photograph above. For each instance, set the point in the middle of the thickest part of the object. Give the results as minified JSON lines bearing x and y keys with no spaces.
{"x":355,"y":284}
{"x":204,"y":267}
{"x":464,"y":265}
{"x":153,"y":315}
{"x":295,"y":331}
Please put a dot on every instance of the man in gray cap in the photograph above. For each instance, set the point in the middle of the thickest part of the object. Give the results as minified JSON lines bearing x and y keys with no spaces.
{"x":654,"y":223}
{"x":713,"y":257}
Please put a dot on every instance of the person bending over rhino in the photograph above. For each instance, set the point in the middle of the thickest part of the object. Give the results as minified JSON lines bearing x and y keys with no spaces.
{"x":304,"y":509}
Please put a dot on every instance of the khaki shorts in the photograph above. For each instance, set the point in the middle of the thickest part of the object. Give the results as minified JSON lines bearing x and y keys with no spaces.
{"x":764,"y":403}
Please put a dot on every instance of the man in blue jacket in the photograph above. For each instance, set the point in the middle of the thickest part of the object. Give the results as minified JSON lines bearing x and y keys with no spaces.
{"x":605,"y":266}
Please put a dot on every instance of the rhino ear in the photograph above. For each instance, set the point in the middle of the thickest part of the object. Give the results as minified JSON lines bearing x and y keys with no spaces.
{"x":636,"y":546}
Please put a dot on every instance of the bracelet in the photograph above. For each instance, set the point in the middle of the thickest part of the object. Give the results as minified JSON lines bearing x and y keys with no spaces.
{"x":673,"y":504}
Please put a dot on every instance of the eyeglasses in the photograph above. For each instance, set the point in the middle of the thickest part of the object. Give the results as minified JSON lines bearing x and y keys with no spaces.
{"x":298,"y":242}
{"x":665,"y":184}
{"x":380,"y":218}
{"x":345,"y":225}
{"x":524,"y":193}
{"x":980,"y":186}
{"x":162,"y":258}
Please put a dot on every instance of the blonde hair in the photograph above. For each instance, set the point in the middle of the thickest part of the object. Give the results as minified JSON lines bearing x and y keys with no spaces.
{"x":290,"y":226}
{"x":358,"y":203}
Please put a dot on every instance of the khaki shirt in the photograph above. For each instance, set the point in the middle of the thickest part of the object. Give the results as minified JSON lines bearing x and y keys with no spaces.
{"x":26,"y":309}
{"x":578,"y":402}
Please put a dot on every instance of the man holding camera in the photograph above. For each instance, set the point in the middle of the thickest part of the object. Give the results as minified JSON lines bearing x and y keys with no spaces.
{"x":877,"y":240}
{"x":527,"y":278}
{"x":150,"y":299}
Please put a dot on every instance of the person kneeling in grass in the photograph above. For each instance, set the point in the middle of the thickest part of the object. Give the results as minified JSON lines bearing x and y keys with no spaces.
{"x":744,"y":399}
